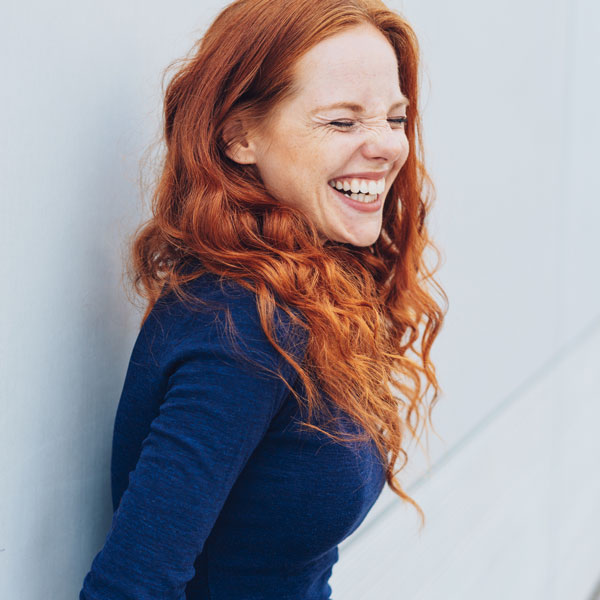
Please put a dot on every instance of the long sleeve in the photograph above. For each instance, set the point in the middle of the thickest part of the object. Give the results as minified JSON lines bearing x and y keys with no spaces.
{"x":215,"y":411}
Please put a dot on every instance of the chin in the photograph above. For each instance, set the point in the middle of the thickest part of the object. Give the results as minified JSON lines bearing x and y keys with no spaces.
{"x":361,"y":239}
{"x":363,"y":243}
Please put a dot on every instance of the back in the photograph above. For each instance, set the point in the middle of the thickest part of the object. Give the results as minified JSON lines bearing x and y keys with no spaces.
{"x":217,"y":492}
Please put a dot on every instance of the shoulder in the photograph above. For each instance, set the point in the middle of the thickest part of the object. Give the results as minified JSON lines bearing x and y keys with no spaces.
{"x":218,"y":315}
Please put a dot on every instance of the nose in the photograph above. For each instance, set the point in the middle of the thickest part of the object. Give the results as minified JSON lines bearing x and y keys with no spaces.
{"x":385,"y":143}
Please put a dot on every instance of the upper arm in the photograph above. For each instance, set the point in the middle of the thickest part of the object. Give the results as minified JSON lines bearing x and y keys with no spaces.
{"x":215,"y":411}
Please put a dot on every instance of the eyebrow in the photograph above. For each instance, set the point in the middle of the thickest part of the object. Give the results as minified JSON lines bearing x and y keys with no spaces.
{"x":358,"y":108}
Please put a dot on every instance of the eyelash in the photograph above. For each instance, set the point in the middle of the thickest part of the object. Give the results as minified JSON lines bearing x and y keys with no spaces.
{"x":350,"y":124}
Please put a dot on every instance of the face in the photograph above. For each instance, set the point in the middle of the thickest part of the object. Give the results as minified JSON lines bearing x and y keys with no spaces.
{"x":334,"y":148}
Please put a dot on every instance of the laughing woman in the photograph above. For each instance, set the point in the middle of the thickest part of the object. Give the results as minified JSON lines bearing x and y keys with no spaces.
{"x":284,"y":355}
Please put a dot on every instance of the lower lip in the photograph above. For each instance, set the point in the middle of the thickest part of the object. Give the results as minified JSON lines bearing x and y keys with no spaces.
{"x":367,"y":207}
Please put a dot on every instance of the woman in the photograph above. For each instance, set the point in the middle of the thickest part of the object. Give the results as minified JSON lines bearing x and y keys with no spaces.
{"x":270,"y":388}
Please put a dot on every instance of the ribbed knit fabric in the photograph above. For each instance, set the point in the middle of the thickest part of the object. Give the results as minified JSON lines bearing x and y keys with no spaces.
{"x":217,"y":493}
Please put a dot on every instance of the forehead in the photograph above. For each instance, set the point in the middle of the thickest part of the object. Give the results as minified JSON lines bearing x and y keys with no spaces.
{"x":357,"y":65}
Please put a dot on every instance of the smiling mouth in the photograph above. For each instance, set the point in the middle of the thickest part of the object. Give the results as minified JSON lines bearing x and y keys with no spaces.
{"x":362,"y":206}
{"x":366,"y":198}
{"x":359,"y":196}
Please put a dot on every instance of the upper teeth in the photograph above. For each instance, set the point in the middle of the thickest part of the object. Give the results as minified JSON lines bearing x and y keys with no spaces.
{"x":359,"y":186}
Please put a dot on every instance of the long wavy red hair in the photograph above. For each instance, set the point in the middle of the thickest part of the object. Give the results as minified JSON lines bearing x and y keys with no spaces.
{"x":369,"y":316}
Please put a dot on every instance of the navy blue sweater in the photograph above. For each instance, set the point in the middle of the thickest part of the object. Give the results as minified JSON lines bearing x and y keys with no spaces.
{"x":217,"y":493}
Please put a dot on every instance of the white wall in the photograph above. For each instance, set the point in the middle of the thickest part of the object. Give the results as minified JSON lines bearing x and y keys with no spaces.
{"x":80,"y":102}
{"x":511,"y":126}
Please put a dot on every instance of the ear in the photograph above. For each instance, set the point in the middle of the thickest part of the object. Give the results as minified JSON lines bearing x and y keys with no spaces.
{"x":239,"y":144}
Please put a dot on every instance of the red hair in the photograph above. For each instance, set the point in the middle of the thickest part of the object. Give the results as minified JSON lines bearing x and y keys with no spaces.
{"x":362,"y":307}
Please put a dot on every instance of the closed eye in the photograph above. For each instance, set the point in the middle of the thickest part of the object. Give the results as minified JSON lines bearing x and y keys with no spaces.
{"x":350,"y":124}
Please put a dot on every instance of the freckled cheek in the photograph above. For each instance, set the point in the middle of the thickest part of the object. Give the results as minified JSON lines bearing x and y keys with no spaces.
{"x":310,"y":162}
{"x":400,"y":161}
{"x":404,"y":152}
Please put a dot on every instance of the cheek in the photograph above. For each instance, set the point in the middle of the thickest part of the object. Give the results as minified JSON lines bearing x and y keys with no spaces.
{"x":403,"y":154}
{"x":276,"y":166}
{"x":295,"y":162}
{"x":308,"y":166}
{"x":405,"y":148}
